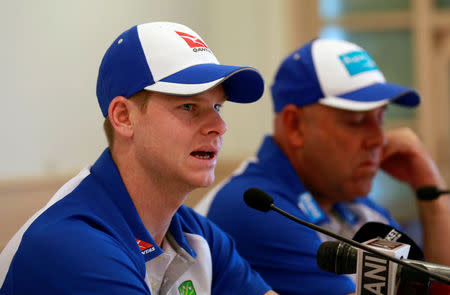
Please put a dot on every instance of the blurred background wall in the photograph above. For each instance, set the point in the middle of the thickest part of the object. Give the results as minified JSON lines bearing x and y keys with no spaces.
{"x":51,"y":125}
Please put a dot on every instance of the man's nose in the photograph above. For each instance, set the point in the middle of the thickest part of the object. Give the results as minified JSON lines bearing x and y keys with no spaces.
{"x":375,"y":136}
{"x":214,"y":124}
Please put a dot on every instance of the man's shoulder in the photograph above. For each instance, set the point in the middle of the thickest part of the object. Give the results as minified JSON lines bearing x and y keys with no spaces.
{"x":75,"y":233}
{"x":66,"y":228}
{"x":61,"y":234}
{"x":253,"y":176}
{"x":64,"y":212}
{"x":229,"y":194}
{"x":68,"y":251}
{"x":70,"y":208}
{"x":194,"y":223}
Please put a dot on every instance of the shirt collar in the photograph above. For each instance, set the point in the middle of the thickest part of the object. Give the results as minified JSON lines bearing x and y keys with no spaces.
{"x":106,"y":172}
{"x":282,"y":171}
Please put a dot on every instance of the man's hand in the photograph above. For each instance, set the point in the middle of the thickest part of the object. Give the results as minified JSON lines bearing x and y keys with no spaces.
{"x":406,"y":158}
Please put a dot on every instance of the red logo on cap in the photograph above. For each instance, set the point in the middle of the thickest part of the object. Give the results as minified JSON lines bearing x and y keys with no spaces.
{"x":145,"y":247}
{"x":191,"y":40}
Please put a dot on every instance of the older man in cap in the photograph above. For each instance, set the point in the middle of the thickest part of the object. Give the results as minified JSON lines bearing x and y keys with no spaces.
{"x":330,"y":101}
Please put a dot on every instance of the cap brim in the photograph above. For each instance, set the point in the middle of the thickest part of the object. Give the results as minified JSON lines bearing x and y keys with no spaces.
{"x":241,"y":84}
{"x":372,"y":97}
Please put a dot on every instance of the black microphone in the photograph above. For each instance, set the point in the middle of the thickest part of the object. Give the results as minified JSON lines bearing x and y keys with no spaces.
{"x":260,"y":200}
{"x":372,"y":230}
{"x":336,"y":257}
{"x":339,"y":258}
{"x":374,"y":275}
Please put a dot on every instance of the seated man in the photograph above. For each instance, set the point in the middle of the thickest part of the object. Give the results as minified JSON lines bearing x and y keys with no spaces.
{"x":119,"y":226}
{"x":330,"y":99}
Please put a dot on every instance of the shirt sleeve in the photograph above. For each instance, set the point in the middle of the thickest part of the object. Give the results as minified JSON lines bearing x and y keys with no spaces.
{"x":73,"y":259}
{"x":283,"y":252}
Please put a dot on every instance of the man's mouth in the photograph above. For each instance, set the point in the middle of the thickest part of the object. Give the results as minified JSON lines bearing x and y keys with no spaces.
{"x":203,"y":155}
{"x":369,"y":166}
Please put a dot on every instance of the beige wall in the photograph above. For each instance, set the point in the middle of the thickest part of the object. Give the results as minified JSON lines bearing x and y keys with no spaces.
{"x":51,"y":50}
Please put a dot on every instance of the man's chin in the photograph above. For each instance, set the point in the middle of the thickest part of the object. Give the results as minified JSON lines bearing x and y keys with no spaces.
{"x":204,"y":181}
{"x":362,"y":185}
{"x":360,"y":192}
{"x":359,"y":189}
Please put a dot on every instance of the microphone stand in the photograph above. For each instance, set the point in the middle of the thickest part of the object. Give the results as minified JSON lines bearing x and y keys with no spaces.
{"x":359,"y":245}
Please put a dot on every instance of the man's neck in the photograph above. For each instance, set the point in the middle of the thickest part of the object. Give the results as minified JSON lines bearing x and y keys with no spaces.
{"x":325,"y":203}
{"x":155,"y":200}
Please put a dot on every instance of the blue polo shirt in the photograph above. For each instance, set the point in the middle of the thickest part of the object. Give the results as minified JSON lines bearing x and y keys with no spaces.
{"x":284,"y":252}
{"x":89,"y":239}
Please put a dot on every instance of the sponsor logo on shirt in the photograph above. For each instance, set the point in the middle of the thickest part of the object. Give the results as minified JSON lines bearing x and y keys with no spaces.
{"x":310,"y":207}
{"x":145,"y":247}
{"x":358,"y":62}
{"x":187,"y":288}
{"x":195,"y":43}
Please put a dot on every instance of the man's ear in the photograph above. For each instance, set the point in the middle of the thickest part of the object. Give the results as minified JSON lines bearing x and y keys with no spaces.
{"x":119,"y":116}
{"x":292,"y":120}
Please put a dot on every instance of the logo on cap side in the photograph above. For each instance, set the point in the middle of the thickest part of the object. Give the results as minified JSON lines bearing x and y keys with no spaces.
{"x":358,"y":62}
{"x":192,"y":41}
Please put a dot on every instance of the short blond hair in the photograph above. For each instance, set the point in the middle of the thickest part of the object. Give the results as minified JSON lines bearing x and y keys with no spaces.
{"x":141,"y":99}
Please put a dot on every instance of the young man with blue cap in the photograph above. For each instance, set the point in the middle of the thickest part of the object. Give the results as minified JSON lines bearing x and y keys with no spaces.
{"x":120,"y":226}
{"x":330,"y":99}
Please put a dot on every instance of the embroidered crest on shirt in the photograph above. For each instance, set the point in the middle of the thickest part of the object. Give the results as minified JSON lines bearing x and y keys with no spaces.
{"x":187,"y":288}
{"x":145,"y":247}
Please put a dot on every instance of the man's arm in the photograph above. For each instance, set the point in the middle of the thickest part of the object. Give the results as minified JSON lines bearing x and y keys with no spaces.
{"x":406,"y":158}
{"x":73,"y":257}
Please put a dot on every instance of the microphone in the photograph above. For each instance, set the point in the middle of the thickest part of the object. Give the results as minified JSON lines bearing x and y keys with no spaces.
{"x":260,"y":200}
{"x":372,"y":230}
{"x":375,"y":274}
{"x":336,"y":257}
{"x":339,"y":258}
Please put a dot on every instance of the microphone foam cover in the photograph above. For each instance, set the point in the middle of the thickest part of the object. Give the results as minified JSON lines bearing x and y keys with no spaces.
{"x":337,"y":257}
{"x":258,"y":199}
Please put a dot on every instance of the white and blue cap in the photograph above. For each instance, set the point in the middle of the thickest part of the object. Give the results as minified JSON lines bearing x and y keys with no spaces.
{"x":169,"y":58}
{"x":338,"y":74}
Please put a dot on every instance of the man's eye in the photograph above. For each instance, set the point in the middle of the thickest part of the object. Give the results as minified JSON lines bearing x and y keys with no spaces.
{"x":355,"y":122}
{"x":356,"y":119}
{"x":188,"y":107}
{"x":382,"y":116}
{"x":217,"y":107}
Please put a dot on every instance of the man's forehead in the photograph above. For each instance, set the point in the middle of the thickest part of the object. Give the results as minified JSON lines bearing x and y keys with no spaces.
{"x":215,"y":94}
{"x":329,"y":109}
